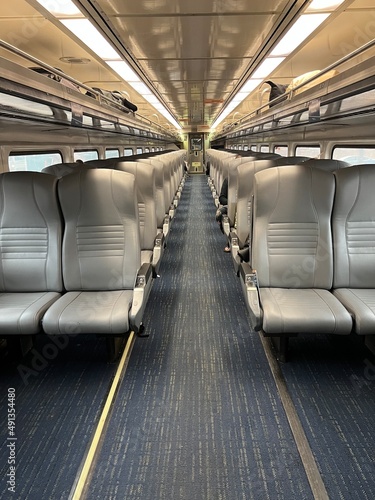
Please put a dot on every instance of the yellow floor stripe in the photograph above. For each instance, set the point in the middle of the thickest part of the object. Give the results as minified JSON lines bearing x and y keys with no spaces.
{"x":82,"y":480}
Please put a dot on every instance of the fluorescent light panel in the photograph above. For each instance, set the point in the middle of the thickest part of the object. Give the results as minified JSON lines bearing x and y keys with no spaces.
{"x":90,"y":36}
{"x":124,"y":71}
{"x":251,"y":84}
{"x":230,"y":107}
{"x":324,"y":5}
{"x":61,"y":7}
{"x":266,"y":67}
{"x":245,"y":90}
{"x":300,"y":30}
{"x":141,"y":88}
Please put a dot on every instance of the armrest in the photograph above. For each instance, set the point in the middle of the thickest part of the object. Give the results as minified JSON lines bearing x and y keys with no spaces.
{"x":234,"y":247}
{"x":226,"y":224}
{"x":142,"y":288}
{"x":159,"y":240}
{"x":166,"y":224}
{"x":157,"y":253}
{"x":249,"y":283}
{"x":233,"y":238}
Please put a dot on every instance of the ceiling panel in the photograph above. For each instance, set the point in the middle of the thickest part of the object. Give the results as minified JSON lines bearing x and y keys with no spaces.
{"x":206,"y":43}
{"x":190,"y":7}
{"x":193,"y":36}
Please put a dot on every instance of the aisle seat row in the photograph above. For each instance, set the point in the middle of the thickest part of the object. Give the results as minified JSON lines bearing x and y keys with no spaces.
{"x":79,"y":250}
{"x":311,"y":236}
{"x":237,"y":223}
{"x":312,"y":252}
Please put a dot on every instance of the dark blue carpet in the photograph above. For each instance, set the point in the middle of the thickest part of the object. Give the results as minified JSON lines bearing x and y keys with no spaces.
{"x":59,"y":395}
{"x":197,"y":415}
{"x":332,"y":383}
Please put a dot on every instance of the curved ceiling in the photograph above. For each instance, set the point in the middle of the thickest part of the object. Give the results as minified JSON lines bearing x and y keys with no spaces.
{"x":194,"y":55}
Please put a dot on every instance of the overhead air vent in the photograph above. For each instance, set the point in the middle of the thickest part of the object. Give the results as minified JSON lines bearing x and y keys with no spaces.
{"x":75,"y":60}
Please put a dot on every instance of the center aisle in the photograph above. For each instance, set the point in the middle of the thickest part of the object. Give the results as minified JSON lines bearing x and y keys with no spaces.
{"x":197,"y":416}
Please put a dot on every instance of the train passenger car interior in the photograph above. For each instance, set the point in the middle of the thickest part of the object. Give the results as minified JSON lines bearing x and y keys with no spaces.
{"x":187,"y":249}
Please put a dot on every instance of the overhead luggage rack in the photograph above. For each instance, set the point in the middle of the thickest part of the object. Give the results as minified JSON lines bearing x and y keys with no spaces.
{"x":29,"y":94}
{"x":347,"y":94}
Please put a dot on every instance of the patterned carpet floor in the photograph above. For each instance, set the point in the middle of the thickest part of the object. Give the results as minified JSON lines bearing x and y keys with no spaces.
{"x":197,"y":416}
{"x":59,"y":393}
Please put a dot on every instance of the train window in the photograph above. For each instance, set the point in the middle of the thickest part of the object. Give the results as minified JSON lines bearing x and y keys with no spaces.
{"x":264,"y":149}
{"x":354,"y":155}
{"x":92,"y":154}
{"x":139,"y":151}
{"x":33,"y":161}
{"x":310,"y":151}
{"x":253,"y":147}
{"x":128,"y":152}
{"x":112,"y":153}
{"x":147,"y":150}
{"x":246,"y":147}
{"x":281,"y":150}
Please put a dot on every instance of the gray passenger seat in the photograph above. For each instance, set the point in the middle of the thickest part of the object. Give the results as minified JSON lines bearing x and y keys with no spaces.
{"x":30,"y":250}
{"x":240,"y":235}
{"x":152,"y":242}
{"x":162,"y":217}
{"x":287,"y":287}
{"x":101,"y":256}
{"x":354,"y":243}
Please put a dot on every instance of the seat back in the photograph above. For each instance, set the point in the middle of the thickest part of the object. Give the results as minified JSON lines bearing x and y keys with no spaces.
{"x":245,"y":180}
{"x":102,"y":163}
{"x":145,"y":186}
{"x":30,"y":233}
{"x":326,"y":164}
{"x":167,"y":182}
{"x":292,"y":241}
{"x":245,"y":175}
{"x":233,"y":165}
{"x":62,"y":169}
{"x":159,"y":188}
{"x":101,"y":243}
{"x":354,"y":227}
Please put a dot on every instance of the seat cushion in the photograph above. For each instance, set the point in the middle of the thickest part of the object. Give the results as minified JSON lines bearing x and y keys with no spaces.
{"x":310,"y":310}
{"x":90,"y":312}
{"x":360,"y":302}
{"x":22,"y":313}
